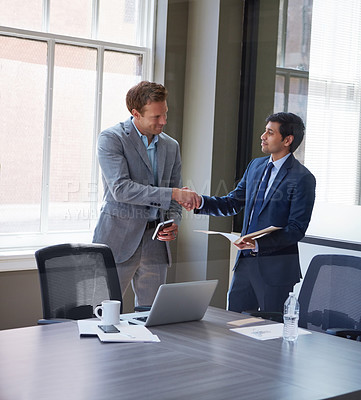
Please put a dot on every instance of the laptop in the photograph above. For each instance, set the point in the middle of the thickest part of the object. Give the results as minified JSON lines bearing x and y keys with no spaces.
{"x":176,"y":302}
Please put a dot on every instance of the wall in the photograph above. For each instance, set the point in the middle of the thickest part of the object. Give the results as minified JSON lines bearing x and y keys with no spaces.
{"x":204,"y":68}
{"x":266,"y":69}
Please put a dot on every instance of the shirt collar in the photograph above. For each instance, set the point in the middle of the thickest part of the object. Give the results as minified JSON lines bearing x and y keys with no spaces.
{"x":278,"y":164}
{"x":144,"y":138}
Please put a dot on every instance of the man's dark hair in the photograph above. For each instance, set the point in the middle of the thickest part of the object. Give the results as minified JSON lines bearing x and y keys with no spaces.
{"x":143,"y":93}
{"x":290,"y":124}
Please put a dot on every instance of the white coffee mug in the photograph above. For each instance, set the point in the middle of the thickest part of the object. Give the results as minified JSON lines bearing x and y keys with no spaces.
{"x":110,"y":312}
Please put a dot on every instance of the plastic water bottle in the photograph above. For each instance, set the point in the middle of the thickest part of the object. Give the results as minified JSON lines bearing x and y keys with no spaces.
{"x":290,"y":318}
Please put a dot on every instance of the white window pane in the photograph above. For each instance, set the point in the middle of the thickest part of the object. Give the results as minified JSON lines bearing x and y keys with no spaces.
{"x":297,"y":104}
{"x":334,"y":102}
{"x":279,"y":104}
{"x":22,"y":104}
{"x":119,"y":21}
{"x":298,"y":34}
{"x":121,"y":72}
{"x":297,"y":100}
{"x":72,"y":138}
{"x":21,"y":14}
{"x":71,"y":18}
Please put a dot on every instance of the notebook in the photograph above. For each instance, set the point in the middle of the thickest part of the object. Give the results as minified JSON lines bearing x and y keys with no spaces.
{"x":176,"y":302}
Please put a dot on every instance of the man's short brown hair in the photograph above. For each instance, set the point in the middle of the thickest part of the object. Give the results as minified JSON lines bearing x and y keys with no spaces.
{"x":143,"y":93}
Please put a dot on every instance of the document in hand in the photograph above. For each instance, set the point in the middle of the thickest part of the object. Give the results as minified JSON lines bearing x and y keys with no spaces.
{"x":127,"y":333}
{"x":237,"y":239}
{"x":257,"y":234}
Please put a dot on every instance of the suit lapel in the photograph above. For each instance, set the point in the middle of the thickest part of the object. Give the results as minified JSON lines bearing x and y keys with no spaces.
{"x":161,"y":156}
{"x":279,"y":178}
{"x":137,"y":143}
{"x":255,"y":182}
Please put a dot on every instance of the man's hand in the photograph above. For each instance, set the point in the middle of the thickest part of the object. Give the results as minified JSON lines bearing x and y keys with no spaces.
{"x":168,"y":234}
{"x":250,"y":244}
{"x":186,"y":198}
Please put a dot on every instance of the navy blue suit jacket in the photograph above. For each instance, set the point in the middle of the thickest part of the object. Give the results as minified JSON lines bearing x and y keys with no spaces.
{"x":288,"y":204}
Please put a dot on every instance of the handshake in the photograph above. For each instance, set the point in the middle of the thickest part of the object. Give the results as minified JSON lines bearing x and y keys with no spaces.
{"x":187,"y":198}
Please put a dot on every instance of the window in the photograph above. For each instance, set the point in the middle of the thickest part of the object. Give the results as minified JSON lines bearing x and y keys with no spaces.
{"x":319,"y":77}
{"x":334,"y":102}
{"x":293,"y":53}
{"x":65,"y":69}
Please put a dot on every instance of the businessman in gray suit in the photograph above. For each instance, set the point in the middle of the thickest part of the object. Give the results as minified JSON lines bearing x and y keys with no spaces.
{"x":141,"y":173}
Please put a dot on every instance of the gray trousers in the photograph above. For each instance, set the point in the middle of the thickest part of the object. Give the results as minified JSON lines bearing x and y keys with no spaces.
{"x":146,"y":269}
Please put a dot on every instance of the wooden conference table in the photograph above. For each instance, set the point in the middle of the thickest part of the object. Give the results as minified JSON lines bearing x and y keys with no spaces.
{"x":194,"y":360}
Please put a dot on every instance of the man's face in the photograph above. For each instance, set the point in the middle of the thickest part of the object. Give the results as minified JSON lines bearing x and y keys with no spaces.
{"x":273,"y":143}
{"x":153,"y":118}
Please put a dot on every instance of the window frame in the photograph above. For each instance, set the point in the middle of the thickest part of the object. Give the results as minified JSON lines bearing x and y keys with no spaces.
{"x":322,"y":230}
{"x":18,"y":243}
{"x":289,"y":73}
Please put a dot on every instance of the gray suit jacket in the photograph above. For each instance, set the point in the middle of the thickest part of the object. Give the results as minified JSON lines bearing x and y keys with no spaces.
{"x":129,"y":191}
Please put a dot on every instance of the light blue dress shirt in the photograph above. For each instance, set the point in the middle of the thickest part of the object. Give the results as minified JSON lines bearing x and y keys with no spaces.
{"x":152,"y":155}
{"x":277,"y":166}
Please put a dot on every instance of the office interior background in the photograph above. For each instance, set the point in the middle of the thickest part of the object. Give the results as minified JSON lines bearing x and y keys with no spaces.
{"x":65,"y":68}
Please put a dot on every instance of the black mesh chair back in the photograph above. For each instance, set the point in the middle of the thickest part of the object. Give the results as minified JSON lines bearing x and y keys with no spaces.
{"x":330,"y":295}
{"x":75,"y":278}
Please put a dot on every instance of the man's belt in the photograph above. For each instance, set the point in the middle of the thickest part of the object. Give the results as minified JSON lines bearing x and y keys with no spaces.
{"x":248,"y":253}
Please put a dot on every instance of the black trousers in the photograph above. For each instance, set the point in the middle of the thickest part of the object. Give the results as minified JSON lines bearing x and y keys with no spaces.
{"x":248,"y":290}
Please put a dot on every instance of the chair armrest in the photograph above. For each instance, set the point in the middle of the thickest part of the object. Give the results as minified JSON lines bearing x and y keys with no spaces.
{"x":353,"y":334}
{"x":53,"y":321}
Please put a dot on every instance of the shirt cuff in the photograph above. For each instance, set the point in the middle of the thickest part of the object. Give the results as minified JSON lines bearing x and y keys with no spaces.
{"x":202,"y":203}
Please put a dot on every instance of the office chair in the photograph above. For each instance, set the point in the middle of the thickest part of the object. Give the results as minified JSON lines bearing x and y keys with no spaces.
{"x":330,"y":297}
{"x":74,"y":279}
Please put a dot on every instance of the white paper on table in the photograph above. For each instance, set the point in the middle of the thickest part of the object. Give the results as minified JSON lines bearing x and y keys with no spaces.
{"x":230,"y":236}
{"x":128,"y":333}
{"x":86,"y":328}
{"x":266,"y":332}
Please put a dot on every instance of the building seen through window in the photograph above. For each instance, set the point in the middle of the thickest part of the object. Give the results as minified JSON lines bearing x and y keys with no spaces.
{"x":65,"y":70}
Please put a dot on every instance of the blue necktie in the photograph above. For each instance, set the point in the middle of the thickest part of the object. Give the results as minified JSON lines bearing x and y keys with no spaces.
{"x":259,"y":200}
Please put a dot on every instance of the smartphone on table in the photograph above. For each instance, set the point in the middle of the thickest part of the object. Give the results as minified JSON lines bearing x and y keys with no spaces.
{"x":109,"y":328}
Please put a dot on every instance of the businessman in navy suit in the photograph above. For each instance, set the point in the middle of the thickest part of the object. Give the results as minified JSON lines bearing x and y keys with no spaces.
{"x":266,"y":269}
